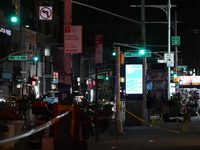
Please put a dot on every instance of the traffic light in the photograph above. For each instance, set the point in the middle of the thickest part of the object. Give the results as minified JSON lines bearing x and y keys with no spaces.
{"x":35,"y":58}
{"x":176,"y":79}
{"x":107,"y":78}
{"x":114,"y":54}
{"x":114,"y":51}
{"x":13,"y":19}
{"x":174,"y":75}
{"x":142,"y":51}
{"x":14,"y":13}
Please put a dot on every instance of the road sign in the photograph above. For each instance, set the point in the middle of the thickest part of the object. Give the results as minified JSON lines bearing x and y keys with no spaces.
{"x":72,"y":39}
{"x":45,"y":13}
{"x":17,"y":57}
{"x":182,"y":67}
{"x":169,"y":59}
{"x":99,"y":77}
{"x":176,"y":40}
{"x":136,"y":54}
{"x":98,"y":49}
{"x":23,"y":72}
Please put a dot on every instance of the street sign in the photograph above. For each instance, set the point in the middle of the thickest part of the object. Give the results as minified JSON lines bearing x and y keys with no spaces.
{"x":176,"y":40}
{"x":169,"y":59}
{"x":17,"y":57}
{"x":99,"y":77}
{"x":72,"y":39}
{"x":98,"y":49}
{"x":23,"y":72}
{"x":136,"y":54}
{"x":182,"y":67}
{"x":45,"y":13}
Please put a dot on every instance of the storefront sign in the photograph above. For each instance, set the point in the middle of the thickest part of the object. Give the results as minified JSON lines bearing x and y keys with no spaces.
{"x":189,"y":80}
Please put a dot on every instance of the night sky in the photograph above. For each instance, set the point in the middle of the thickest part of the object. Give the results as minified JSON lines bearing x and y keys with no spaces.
{"x":188,"y":13}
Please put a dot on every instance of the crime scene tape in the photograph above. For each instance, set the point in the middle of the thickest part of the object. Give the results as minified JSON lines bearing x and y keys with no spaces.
{"x":36,"y":129}
{"x":151,"y":123}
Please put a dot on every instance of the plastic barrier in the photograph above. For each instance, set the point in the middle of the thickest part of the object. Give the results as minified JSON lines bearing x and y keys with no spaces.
{"x":150,"y":123}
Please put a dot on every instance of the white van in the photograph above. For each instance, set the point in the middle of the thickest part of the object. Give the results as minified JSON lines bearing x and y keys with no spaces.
{"x":51,"y":97}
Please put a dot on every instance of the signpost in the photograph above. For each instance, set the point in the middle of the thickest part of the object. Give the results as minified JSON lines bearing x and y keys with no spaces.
{"x":136,"y":54}
{"x":17,"y":58}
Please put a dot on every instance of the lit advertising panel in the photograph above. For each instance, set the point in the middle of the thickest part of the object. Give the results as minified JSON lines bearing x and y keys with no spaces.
{"x":134,"y":79}
{"x":189,"y":80}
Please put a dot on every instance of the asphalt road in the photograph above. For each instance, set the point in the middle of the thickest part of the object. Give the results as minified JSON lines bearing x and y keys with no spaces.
{"x":158,"y":136}
{"x":163,"y":136}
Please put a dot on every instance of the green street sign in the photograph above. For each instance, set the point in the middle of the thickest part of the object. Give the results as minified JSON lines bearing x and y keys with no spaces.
{"x":99,"y":77}
{"x":176,"y":40}
{"x":136,"y":54}
{"x":182,"y":67}
{"x":17,"y":57}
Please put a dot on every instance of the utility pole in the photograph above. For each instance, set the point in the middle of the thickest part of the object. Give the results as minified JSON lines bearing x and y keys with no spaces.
{"x":143,"y":43}
{"x":167,"y":10}
{"x":64,"y":129}
{"x":176,"y":48}
{"x":169,"y":43}
{"x":118,"y":101}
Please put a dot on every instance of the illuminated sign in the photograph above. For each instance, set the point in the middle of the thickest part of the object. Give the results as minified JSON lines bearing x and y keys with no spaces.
{"x":134,"y":79}
{"x":5,"y":31}
{"x":189,"y":80}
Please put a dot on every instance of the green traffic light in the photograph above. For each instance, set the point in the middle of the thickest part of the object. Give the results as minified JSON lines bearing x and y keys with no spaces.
{"x":142,"y":51}
{"x":114,"y":53}
{"x":175,"y":75}
{"x":13,"y":19}
{"x":107,"y":78}
{"x":35,"y":58}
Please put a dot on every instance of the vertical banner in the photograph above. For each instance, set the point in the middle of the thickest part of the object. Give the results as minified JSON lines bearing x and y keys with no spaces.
{"x":98,"y":49}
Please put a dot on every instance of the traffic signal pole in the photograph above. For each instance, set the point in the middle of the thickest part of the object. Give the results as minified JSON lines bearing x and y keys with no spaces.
{"x":118,"y":101}
{"x":169,"y":43}
{"x":143,"y":43}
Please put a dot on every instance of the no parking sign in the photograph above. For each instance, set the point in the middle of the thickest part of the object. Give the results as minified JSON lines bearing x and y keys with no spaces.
{"x":45,"y":13}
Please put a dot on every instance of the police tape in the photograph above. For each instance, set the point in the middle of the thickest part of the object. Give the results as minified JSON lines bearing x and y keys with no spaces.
{"x":184,"y":127}
{"x":36,"y":129}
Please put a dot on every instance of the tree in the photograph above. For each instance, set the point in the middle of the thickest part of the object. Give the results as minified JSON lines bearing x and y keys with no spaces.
{"x":105,"y":91}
